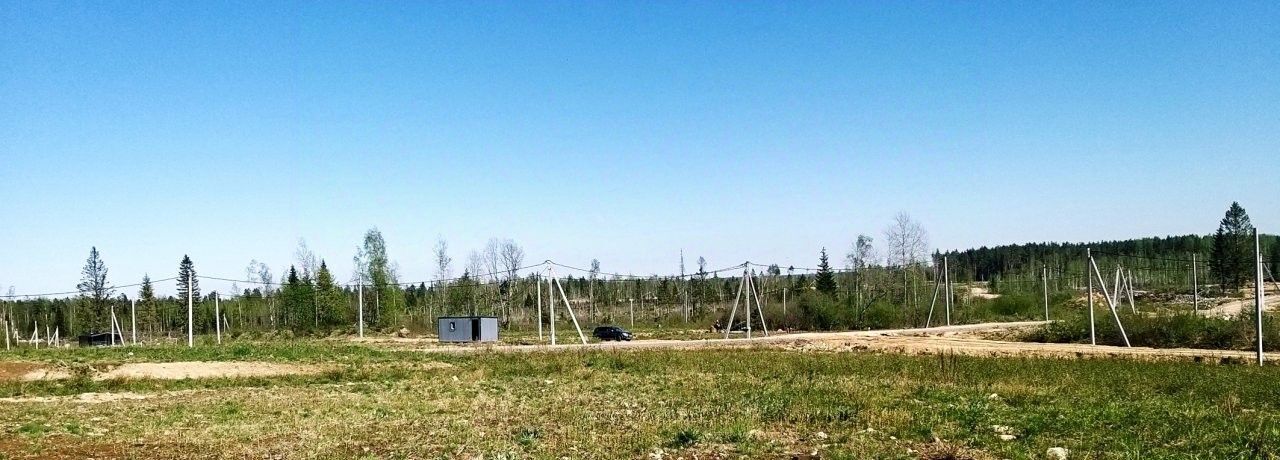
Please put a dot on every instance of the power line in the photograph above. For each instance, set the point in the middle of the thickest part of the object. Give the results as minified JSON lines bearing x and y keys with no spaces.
{"x":48,"y":294}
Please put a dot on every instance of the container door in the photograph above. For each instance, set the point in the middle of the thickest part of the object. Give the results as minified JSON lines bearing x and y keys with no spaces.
{"x":475,"y":329}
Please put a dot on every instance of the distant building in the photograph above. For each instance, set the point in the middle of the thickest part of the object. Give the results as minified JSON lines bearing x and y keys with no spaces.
{"x":468,"y":328}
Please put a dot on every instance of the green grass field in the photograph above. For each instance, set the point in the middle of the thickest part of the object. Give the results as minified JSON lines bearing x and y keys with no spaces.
{"x":753,"y":403}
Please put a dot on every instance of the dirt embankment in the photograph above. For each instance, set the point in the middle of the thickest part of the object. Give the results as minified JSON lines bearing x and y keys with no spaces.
{"x":160,"y":371}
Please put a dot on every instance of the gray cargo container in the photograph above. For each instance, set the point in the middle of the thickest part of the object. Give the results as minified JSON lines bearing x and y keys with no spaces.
{"x":468,"y":328}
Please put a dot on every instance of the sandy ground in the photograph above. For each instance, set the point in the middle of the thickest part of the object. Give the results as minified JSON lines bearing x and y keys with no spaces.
{"x":982,"y":292}
{"x":162,"y":371}
{"x":202,"y":370}
{"x":1235,"y":306}
{"x":962,"y":340}
{"x":99,"y":398}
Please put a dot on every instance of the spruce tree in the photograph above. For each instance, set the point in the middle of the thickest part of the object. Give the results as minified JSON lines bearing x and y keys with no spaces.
{"x":330,"y":300}
{"x":1231,"y":260}
{"x":147,"y":298}
{"x":825,"y":279}
{"x":187,"y":273}
{"x":1273,"y":261}
{"x":94,"y":291}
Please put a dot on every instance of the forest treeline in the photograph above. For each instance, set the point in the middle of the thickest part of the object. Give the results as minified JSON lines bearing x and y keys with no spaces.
{"x":879,"y":283}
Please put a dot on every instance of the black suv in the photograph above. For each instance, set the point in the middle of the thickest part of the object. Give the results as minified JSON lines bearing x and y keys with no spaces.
{"x":607,"y":333}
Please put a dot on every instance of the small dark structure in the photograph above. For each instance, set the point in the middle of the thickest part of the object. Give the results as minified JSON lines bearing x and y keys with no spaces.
{"x":468,"y":328}
{"x":99,"y":339}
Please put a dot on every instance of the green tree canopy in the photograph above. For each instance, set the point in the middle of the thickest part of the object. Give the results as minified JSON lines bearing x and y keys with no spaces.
{"x":1231,"y":261}
{"x":825,"y":280}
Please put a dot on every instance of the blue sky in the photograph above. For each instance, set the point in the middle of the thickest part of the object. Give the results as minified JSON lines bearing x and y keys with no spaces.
{"x":757,"y":131}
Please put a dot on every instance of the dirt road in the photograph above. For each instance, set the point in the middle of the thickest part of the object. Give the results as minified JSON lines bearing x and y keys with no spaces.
{"x":1235,"y":306}
{"x":963,"y":340}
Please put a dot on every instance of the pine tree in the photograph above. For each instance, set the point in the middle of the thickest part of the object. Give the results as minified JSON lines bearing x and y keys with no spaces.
{"x":1231,"y":260}
{"x":187,"y":273}
{"x":825,"y":279}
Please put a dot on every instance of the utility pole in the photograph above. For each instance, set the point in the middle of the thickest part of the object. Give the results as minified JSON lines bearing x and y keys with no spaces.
{"x":946,"y":274}
{"x":551,"y":306}
{"x":133,"y":319}
{"x":686,"y":287}
{"x":1111,"y":303}
{"x":217,"y":315}
{"x":1259,"y":293}
{"x":537,"y":281}
{"x":1093,"y":335}
{"x":360,"y":310}
{"x":746,"y":279}
{"x":191,"y":331}
{"x":114,"y":330}
{"x":1195,"y":285}
{"x":1044,"y":275}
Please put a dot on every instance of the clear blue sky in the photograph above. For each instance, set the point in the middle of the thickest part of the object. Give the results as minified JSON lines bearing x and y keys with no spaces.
{"x":757,"y":131}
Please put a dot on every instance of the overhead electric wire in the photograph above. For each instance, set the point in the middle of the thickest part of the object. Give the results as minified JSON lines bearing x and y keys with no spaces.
{"x":47,"y":294}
